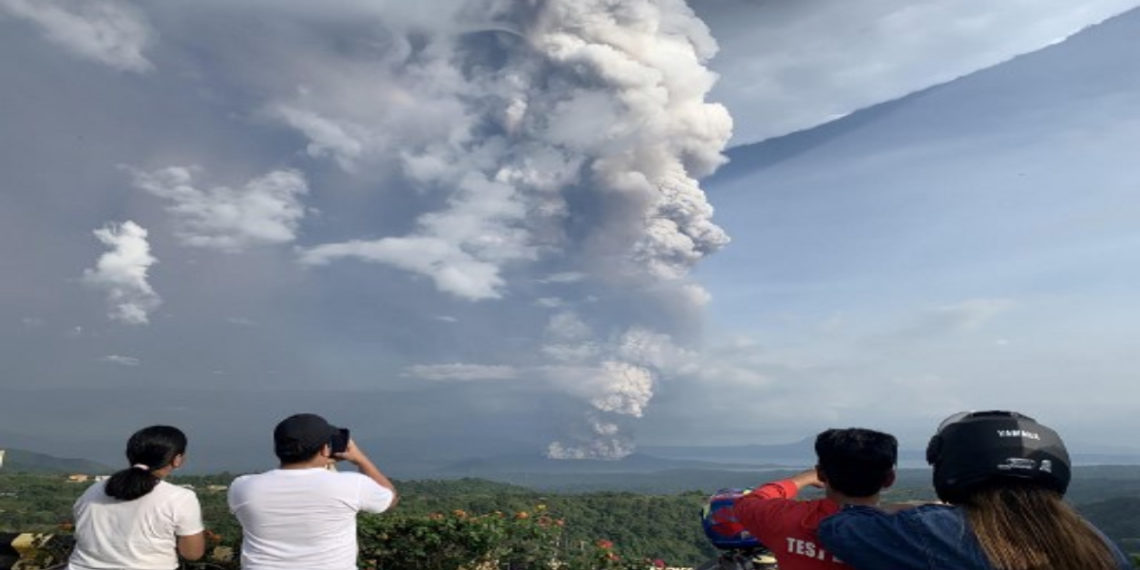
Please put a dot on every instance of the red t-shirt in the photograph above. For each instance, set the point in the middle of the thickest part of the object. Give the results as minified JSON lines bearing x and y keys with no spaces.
{"x":787,"y":526}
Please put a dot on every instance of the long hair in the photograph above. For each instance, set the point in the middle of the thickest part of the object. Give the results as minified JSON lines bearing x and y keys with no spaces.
{"x":148,"y":450}
{"x":1026,"y":527}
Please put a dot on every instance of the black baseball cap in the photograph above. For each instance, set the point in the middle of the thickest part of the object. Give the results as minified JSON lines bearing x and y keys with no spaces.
{"x":302,"y":432}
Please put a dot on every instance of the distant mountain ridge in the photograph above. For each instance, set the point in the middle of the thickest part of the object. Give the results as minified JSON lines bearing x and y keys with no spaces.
{"x":802,"y":453}
{"x":795,"y":453}
{"x":539,"y":464}
{"x":23,"y":461}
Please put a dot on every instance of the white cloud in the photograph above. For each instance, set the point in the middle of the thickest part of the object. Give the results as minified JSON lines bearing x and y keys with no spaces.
{"x":963,"y":316}
{"x":122,"y":273}
{"x":568,"y":326}
{"x":106,"y":31}
{"x":972,"y":314}
{"x":564,"y":277}
{"x":571,"y":352}
{"x":266,"y":210}
{"x":327,"y":138}
{"x":461,"y":372}
{"x":453,"y":270}
{"x":787,"y":66}
{"x":804,"y":380}
{"x":121,"y":360}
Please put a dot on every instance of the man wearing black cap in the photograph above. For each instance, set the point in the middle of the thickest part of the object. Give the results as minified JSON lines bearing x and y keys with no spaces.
{"x":303,"y":515}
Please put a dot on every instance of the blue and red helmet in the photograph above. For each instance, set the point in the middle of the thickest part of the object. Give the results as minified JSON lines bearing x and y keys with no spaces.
{"x":721,"y":525}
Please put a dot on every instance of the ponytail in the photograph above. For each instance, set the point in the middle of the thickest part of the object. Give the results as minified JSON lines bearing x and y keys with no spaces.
{"x":148,"y":450}
{"x":130,"y":484}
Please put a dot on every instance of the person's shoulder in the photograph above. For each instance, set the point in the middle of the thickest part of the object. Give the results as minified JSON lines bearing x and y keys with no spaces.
{"x":931,"y":511}
{"x":359,"y":482}
{"x":348,"y":474}
{"x":934,"y":511}
{"x":171,"y":490}
{"x":94,"y":492}
{"x":935,"y":517}
{"x":252,"y":481}
{"x":169,"y":495}
{"x":349,"y":477}
{"x":245,"y":479}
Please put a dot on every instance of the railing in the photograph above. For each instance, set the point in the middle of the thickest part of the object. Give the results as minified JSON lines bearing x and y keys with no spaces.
{"x":44,"y":551}
{"x":34,"y":551}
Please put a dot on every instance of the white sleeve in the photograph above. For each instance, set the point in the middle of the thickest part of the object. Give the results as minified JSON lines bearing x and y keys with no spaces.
{"x":187,"y":515}
{"x":374,"y":498}
{"x":232,"y":495}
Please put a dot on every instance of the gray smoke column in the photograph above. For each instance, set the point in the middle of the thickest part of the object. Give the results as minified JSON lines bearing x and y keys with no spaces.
{"x":566,"y":133}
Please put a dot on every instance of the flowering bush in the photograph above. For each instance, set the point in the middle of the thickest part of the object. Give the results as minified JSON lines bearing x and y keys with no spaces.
{"x":458,"y":541}
{"x":438,"y":541}
{"x":601,"y":555}
{"x":523,"y":540}
{"x":461,"y":541}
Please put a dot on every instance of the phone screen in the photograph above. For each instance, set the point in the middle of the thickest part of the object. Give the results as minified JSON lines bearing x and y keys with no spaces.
{"x":339,"y":443}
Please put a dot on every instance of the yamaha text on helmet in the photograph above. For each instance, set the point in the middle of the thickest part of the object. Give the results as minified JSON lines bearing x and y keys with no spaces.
{"x":972,"y":449}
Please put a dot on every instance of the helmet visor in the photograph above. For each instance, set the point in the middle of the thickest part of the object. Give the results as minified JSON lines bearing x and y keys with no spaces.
{"x":953,"y":419}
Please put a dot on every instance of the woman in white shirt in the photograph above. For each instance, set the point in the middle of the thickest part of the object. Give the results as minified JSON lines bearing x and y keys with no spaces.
{"x":136,"y":520}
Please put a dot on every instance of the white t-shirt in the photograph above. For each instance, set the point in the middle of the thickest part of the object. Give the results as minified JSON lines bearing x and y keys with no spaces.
{"x":303,"y":518}
{"x":139,"y":534}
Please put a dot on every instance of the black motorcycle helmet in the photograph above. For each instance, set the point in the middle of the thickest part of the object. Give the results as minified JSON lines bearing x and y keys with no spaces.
{"x":971,"y":449}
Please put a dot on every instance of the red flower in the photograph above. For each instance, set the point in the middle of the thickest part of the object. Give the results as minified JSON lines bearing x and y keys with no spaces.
{"x":604,"y":544}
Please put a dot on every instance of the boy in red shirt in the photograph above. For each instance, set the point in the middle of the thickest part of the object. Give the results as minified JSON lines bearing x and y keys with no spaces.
{"x":855,"y":465}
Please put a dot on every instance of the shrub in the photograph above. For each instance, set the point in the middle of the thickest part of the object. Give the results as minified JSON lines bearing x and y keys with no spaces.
{"x":457,"y":540}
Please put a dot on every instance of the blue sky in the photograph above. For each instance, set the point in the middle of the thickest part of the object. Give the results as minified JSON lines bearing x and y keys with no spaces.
{"x":969,"y":246}
{"x":464,"y":228}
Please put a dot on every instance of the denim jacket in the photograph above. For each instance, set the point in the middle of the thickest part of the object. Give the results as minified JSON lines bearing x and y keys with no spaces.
{"x":930,"y":537}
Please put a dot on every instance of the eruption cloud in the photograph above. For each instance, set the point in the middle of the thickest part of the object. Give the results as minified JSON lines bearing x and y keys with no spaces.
{"x":566,"y":134}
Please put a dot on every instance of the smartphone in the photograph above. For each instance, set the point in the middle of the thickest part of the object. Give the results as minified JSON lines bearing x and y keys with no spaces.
{"x":339,"y":442}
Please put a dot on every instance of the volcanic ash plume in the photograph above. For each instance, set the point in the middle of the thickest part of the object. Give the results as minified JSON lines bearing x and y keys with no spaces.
{"x":599,"y":100}
{"x":567,"y":133}
{"x":618,"y":388}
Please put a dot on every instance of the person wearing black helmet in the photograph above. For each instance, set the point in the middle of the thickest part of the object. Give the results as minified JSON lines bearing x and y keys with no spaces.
{"x":1003,"y":476}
